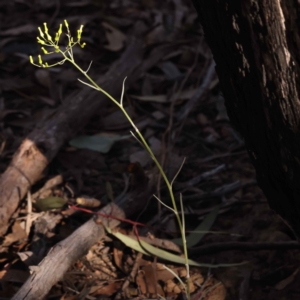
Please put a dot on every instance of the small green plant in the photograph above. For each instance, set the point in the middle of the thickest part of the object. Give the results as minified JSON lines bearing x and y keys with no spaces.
{"x":46,"y":40}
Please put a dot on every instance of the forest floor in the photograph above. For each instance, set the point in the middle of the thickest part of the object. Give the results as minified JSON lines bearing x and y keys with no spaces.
{"x":178,"y":106}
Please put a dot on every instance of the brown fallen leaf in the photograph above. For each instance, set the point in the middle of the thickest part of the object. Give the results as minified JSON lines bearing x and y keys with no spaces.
{"x":215,"y":290}
{"x":114,"y":37}
{"x":141,"y":282}
{"x":18,"y":234}
{"x":108,"y":290}
{"x":285,"y":282}
{"x":118,"y":257}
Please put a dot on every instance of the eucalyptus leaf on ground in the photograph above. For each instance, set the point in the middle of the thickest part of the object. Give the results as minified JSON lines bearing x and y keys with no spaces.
{"x":101,"y":143}
{"x":187,"y":94}
{"x":199,"y":232}
{"x":148,"y":249}
{"x":48,"y":203}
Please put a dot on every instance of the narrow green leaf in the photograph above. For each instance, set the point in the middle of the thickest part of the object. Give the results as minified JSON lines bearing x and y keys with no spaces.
{"x":100,"y":143}
{"x":150,"y":250}
{"x":200,"y":231}
{"x":48,"y":203}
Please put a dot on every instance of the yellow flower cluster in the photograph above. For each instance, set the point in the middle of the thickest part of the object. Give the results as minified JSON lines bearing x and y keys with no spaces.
{"x":45,"y":39}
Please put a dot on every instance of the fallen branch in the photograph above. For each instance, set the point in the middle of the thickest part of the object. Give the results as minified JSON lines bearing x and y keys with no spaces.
{"x":65,"y":253}
{"x":61,"y":257}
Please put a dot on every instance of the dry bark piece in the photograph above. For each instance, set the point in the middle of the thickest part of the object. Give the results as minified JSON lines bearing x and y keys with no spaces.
{"x":45,"y":191}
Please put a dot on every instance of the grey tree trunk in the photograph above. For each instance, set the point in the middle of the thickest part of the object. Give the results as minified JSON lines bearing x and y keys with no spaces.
{"x":256,"y":46}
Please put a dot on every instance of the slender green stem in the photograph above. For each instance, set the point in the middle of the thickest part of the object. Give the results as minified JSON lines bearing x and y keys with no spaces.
{"x":158,"y":165}
{"x":68,"y":56}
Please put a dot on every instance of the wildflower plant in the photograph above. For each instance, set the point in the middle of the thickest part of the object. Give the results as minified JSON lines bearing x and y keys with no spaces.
{"x":45,"y":39}
{"x":49,"y":43}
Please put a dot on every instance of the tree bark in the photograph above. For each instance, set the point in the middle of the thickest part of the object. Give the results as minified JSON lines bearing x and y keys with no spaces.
{"x":256,"y":46}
